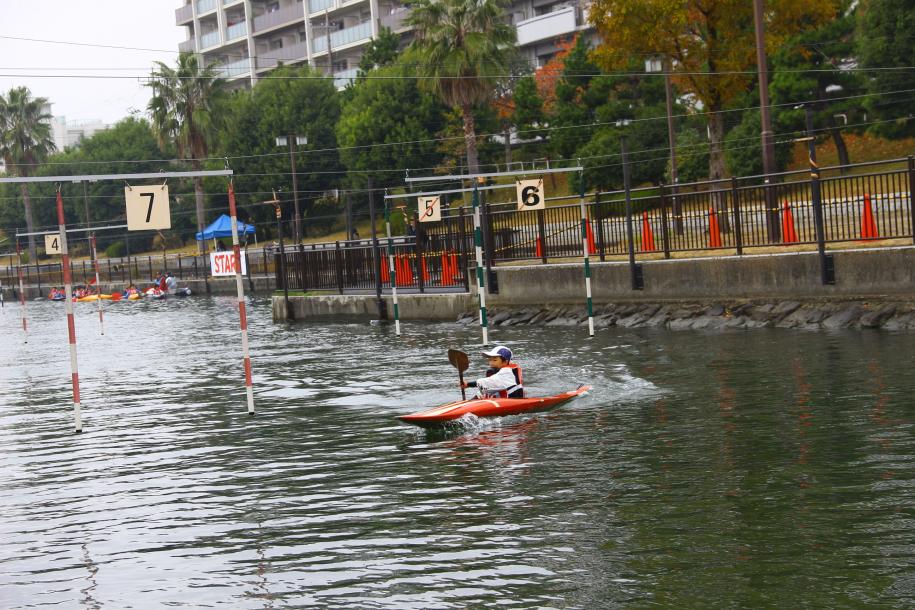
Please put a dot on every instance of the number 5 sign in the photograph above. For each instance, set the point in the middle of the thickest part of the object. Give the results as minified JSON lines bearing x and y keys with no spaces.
{"x":147,"y":208}
{"x":429,"y":209}
{"x":530,"y":194}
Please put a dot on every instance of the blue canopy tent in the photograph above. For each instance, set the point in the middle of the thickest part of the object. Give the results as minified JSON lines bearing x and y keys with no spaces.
{"x":222,"y":227}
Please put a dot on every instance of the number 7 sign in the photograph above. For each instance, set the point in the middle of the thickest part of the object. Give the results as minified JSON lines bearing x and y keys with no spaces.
{"x":147,"y":207}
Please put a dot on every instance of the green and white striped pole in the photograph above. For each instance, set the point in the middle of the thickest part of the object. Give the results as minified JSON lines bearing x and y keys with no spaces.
{"x":391,"y":270}
{"x":584,"y":253}
{"x":478,"y":247}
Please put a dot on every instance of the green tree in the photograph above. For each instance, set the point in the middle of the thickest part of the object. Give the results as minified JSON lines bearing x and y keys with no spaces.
{"x":382,"y":51}
{"x":886,"y":45}
{"x":291,"y":101}
{"x":465,"y":46}
{"x":185,"y":111}
{"x":389,"y":125}
{"x":25,"y":142}
{"x":711,"y":43}
{"x":811,"y":68}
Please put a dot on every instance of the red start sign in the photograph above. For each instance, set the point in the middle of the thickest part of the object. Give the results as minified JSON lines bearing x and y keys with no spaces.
{"x":223,"y":263}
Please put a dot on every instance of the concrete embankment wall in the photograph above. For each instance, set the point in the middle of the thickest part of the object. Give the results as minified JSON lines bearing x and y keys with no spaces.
{"x":878,"y":274}
{"x":858,"y":273}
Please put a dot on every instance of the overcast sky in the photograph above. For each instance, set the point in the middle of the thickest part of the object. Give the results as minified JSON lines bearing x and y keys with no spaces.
{"x":141,"y":24}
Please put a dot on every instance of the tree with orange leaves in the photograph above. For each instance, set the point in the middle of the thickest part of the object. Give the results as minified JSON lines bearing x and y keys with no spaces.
{"x":711,"y":43}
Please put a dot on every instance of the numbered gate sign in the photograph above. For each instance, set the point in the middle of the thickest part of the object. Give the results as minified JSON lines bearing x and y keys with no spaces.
{"x":223,"y":263}
{"x":530,"y":194}
{"x":430,"y":209}
{"x":52,"y":243}
{"x":147,"y":207}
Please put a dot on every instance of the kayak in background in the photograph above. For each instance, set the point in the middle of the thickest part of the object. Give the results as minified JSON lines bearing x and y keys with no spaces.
{"x":488,"y":407}
{"x":155,"y":293}
{"x":183,"y":292}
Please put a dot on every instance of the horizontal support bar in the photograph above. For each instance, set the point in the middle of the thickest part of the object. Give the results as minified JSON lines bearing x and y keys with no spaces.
{"x":466,"y":190}
{"x":496,"y":174}
{"x":87,"y":229}
{"x":99,"y":177}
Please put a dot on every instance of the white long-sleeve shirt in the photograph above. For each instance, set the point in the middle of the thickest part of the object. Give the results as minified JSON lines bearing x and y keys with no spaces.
{"x":503,"y":379}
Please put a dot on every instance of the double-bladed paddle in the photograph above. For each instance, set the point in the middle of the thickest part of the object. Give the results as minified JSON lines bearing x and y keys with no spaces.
{"x":461,"y":362}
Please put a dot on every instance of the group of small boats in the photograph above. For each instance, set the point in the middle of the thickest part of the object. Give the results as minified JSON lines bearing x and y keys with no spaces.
{"x":84,"y":295}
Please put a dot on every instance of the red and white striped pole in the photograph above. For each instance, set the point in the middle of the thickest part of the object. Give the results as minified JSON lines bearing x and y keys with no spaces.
{"x":240,"y":288}
{"x":25,"y":323}
{"x":98,"y":288}
{"x":71,"y":326}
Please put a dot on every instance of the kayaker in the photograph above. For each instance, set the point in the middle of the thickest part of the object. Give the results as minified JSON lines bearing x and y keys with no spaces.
{"x":503,"y":379}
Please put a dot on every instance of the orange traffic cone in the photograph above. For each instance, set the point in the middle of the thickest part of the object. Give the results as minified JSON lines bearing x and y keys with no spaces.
{"x":446,"y":272}
{"x":425,"y":270}
{"x":590,"y":237}
{"x":714,"y":233}
{"x":868,"y":224}
{"x":647,"y":234}
{"x":789,"y":235}
{"x":539,"y":248}
{"x":455,"y":269}
{"x":407,"y":271}
{"x":385,"y":272}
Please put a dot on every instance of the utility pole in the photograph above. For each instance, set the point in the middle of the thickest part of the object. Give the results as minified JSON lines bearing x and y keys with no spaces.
{"x":292,"y":141}
{"x":768,"y":144}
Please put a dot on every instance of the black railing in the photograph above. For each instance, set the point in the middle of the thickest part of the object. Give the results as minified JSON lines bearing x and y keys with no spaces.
{"x":731,"y":215}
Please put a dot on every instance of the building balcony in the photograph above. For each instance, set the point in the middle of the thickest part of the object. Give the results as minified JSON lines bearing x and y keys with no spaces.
{"x":205,"y":6}
{"x":234,"y":69}
{"x":292,"y":53}
{"x":186,"y":46}
{"x":343,"y":37}
{"x":549,"y":26}
{"x":238,"y":30}
{"x":184,"y":15}
{"x":316,"y":6}
{"x":395,"y":20}
{"x":285,"y":16}
{"x":210,"y":40}
{"x":345,"y":77}
{"x":228,"y":2}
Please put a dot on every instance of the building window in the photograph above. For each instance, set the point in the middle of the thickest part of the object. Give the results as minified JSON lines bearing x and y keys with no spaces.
{"x":273,"y":7}
{"x":276,"y":44}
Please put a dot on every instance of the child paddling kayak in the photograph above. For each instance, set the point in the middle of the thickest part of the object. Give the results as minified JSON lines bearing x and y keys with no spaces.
{"x":503,"y":379}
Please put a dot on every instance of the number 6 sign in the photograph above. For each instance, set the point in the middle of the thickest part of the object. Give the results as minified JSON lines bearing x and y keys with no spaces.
{"x":530,"y":194}
{"x":147,"y":208}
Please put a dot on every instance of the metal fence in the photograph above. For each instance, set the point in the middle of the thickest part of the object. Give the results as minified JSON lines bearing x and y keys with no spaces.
{"x":860,"y":203}
{"x":733,"y":215}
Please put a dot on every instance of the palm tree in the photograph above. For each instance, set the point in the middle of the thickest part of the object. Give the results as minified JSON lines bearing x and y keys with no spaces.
{"x":185,"y":111}
{"x":464,"y":46}
{"x":25,"y":141}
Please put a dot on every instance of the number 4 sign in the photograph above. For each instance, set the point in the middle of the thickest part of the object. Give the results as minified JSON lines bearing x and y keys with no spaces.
{"x":530,"y":194}
{"x":147,"y":208}
{"x":52,"y":243}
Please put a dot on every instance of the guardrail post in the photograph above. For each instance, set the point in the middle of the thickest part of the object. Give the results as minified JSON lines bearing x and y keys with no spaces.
{"x":419,"y":234}
{"x":827,"y":265}
{"x":735,"y":203}
{"x":665,"y":230}
{"x":462,"y":256}
{"x":338,"y":265}
{"x":635,"y":271}
{"x":541,"y":234}
{"x":599,"y":216}
{"x":912,"y":196}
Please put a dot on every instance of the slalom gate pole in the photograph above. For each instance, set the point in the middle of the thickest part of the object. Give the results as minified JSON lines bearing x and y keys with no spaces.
{"x":25,"y":323}
{"x":478,"y":248}
{"x":240,"y":288}
{"x":71,"y":326}
{"x":98,"y":289}
{"x":392,"y":271}
{"x":584,"y":253}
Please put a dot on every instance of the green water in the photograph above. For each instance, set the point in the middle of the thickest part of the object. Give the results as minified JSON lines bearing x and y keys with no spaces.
{"x":723,"y":469}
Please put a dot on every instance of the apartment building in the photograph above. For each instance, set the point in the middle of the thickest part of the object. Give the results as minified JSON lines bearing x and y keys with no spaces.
{"x":247,"y":38}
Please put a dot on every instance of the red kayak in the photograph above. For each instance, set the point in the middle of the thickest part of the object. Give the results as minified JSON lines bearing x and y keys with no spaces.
{"x":488,"y":407}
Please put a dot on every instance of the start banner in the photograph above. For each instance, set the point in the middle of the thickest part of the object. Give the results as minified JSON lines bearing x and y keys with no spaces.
{"x":223,"y":263}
